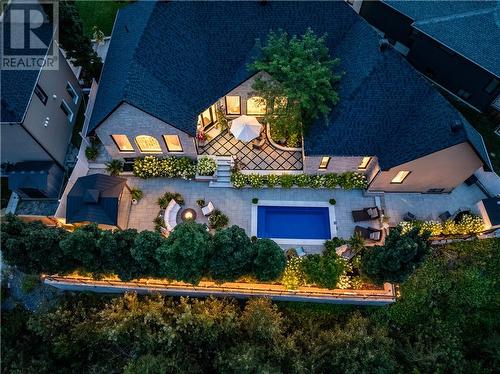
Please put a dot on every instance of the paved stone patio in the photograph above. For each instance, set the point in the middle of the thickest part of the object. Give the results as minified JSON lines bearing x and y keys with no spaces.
{"x":236,"y":204}
{"x":266,"y":158}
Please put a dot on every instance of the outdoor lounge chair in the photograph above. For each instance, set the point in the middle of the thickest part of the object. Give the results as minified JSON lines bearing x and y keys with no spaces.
{"x":369,"y":234}
{"x":367,"y":214}
{"x":207,"y":210}
{"x":171,"y":214}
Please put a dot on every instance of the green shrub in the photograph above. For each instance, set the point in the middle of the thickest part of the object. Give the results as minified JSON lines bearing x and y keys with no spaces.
{"x":233,"y":254}
{"x":91,"y":153}
{"x":269,"y":262}
{"x":136,"y":194}
{"x":272,"y":180}
{"x":169,"y":167}
{"x":332,"y":201}
{"x":164,"y":200}
{"x":323,"y":270}
{"x":397,"y":258}
{"x":218,"y":220}
{"x":239,"y":180}
{"x":30,"y":282}
{"x":184,"y":255}
{"x":201,"y":203}
{"x":293,"y":276}
{"x":255,"y":200}
{"x":468,"y":224}
{"x":287,"y":180}
{"x":206,"y":166}
{"x":347,"y":180}
{"x":114,"y":167}
{"x":159,"y":222}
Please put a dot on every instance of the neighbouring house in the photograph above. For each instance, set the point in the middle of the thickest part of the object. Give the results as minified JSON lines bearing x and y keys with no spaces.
{"x":453,"y":43}
{"x":99,"y":198}
{"x":169,"y":75}
{"x":39,"y":107}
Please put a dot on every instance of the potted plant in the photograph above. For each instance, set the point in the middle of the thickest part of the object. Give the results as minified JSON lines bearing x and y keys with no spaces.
{"x":136,"y":195}
{"x":201,"y":137}
{"x":255,"y":200}
{"x":114,"y":167}
{"x":201,"y":203}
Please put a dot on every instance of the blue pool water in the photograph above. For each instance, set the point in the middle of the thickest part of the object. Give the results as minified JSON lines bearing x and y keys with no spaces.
{"x":290,"y":222}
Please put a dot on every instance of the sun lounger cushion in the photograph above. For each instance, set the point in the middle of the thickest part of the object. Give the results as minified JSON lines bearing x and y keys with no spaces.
{"x":375,"y":235}
{"x":171,"y":214}
{"x":372,"y":212}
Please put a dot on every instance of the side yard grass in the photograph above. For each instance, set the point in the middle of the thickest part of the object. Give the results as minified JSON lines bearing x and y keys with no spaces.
{"x":98,"y":13}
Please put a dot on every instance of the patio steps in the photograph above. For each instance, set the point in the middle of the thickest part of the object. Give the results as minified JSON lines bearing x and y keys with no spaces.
{"x":223,"y":173}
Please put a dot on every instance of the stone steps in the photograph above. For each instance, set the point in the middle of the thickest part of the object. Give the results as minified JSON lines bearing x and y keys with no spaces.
{"x":223,"y":173}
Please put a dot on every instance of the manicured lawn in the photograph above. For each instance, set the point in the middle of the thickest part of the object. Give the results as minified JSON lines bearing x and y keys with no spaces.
{"x":98,"y":13}
{"x":485,"y":127}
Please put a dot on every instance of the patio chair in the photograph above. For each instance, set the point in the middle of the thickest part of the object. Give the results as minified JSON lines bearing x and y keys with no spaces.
{"x":369,"y":234}
{"x":409,"y":217}
{"x":367,"y":214}
{"x":208,"y":209}
{"x":345,"y":252}
{"x":300,"y":252}
{"x":171,"y":214}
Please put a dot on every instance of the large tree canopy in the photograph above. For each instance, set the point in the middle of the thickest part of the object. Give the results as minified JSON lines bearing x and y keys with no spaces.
{"x":299,"y":86}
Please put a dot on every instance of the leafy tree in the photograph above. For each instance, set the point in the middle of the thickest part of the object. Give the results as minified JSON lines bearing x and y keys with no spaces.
{"x":233,"y":254}
{"x":91,"y":250}
{"x":356,"y":346}
{"x":397,"y":258}
{"x":33,"y":247}
{"x":323,"y":270}
{"x":447,"y":316}
{"x":269,"y":262}
{"x":144,"y":251}
{"x":75,"y":43}
{"x":124,"y":264}
{"x":300,"y":88}
{"x":184,"y":254}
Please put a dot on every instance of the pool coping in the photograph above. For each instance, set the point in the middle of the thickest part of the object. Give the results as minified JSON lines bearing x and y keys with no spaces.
{"x":310,"y":204}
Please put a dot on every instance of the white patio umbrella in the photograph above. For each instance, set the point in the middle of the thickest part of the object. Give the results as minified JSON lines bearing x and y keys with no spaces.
{"x":246,"y":128}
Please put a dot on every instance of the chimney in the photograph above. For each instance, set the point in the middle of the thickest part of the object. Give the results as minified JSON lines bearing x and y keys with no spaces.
{"x":383,"y":44}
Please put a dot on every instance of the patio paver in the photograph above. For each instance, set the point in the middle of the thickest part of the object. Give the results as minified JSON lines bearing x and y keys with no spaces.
{"x":265,"y":158}
{"x":236,"y":204}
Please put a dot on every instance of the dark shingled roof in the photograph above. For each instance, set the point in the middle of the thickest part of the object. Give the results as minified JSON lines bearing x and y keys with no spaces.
{"x":95,"y":198}
{"x":17,"y":85}
{"x":174,"y":59}
{"x":471,"y":28}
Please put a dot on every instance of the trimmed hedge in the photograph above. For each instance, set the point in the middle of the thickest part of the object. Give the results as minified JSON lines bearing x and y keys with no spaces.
{"x":169,"y":167}
{"x":348,"y":180}
{"x":185,"y":255}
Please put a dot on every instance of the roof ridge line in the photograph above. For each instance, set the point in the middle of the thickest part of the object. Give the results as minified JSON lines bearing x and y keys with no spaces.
{"x":458,"y":15}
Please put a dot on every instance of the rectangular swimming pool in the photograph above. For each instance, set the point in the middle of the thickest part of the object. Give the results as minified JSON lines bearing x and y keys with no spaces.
{"x":293,"y":222}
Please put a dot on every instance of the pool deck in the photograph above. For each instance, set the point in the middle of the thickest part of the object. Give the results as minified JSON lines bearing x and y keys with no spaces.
{"x":237,"y":204}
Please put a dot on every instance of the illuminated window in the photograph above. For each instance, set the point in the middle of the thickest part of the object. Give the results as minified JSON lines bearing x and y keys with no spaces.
{"x":400,"y":177}
{"x":364,"y":163}
{"x":324,"y":163}
{"x":147,"y":144}
{"x":122,"y":143}
{"x":233,"y":105}
{"x":256,"y":106}
{"x":173,"y":143}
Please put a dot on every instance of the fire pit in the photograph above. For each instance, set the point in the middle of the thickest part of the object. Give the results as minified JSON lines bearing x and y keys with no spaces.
{"x":188,"y":214}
